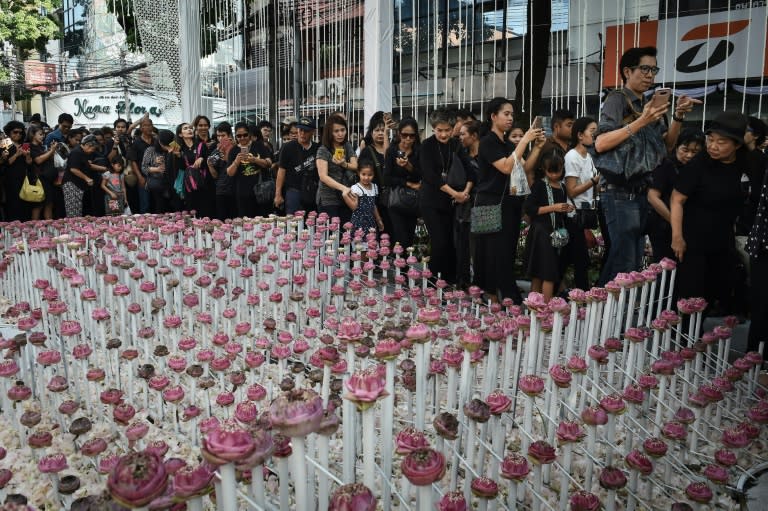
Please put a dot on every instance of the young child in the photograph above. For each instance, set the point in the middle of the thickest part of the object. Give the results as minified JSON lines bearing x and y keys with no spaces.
{"x":542,"y":259}
{"x":113,"y":184}
{"x":361,"y":199}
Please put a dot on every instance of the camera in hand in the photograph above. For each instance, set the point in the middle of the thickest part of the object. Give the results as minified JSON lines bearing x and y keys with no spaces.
{"x":401,"y":155}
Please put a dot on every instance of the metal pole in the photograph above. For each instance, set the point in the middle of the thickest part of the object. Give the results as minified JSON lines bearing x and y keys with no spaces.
{"x":126,"y":94}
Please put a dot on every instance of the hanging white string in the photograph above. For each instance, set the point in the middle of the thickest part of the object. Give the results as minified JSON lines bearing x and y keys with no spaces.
{"x":583,"y":108}
{"x":727,"y":44}
{"x":601,"y":51}
{"x":762,"y":77}
{"x":706,"y":69}
{"x":553,"y":88}
{"x":746,"y":58}
{"x":677,"y":40}
{"x":415,"y":74}
{"x":530,"y":59}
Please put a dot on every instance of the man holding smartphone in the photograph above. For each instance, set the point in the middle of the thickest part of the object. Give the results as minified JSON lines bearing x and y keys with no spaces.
{"x":627,"y":118}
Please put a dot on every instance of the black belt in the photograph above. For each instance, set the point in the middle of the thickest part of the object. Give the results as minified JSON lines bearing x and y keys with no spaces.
{"x":629,"y":190}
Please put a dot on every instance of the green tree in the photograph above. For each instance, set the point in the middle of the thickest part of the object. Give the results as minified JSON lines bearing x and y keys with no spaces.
{"x":211,"y":29}
{"x":27,"y":25}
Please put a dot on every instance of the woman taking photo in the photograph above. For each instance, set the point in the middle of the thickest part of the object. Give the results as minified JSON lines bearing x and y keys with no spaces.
{"x":401,"y":169}
{"x":248,"y":164}
{"x":374,"y":150}
{"x":199,"y":195}
{"x":336,"y":167}
{"x":15,"y":163}
{"x":43,"y":168}
{"x":705,"y":203}
{"x":226,"y":206}
{"x":495,"y":253}
{"x":436,"y":197}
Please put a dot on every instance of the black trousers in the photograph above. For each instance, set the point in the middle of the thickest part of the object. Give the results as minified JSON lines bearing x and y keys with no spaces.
{"x":576,"y":254}
{"x":758,"y":329}
{"x":496,"y":254}
{"x":442,"y":255}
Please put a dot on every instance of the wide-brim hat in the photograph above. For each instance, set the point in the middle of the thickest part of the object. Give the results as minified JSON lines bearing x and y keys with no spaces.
{"x":729,"y":124}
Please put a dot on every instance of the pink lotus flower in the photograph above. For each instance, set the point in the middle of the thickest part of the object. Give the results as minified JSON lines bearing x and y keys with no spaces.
{"x":577,"y":364}
{"x":613,"y":403}
{"x":297,"y":412}
{"x":699,"y":492}
{"x":228,"y":442}
{"x":352,"y":497}
{"x":535,"y":301}
{"x":734,"y":438}
{"x":634,"y":393}
{"x":569,"y":431}
{"x":725,"y":457}
{"x":498,"y":402}
{"x":541,"y":452}
{"x":718,"y":474}
{"x":409,"y":440}
{"x":639,"y":461}
{"x":560,"y":375}
{"x":191,"y":482}
{"x":365,"y":387}
{"x":655,"y":447}
{"x":93,"y":447}
{"x":137,"y":479}
{"x":612,"y":478}
{"x":446,"y":425}
{"x":531,"y":384}
{"x":648,"y":381}
{"x":477,"y":410}
{"x":584,"y":501}
{"x":674,"y":430}
{"x":452,"y":501}
{"x":598,"y":353}
{"x":515,"y":467}
{"x":423,"y":467}
{"x":594,"y":416}
{"x":52,"y":463}
{"x":484,"y":488}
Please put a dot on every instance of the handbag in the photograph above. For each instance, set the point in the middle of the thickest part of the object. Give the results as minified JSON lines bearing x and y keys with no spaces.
{"x":264,"y":190}
{"x":559,"y":236}
{"x":586,"y":218}
{"x":487,"y":219}
{"x":32,"y":192}
{"x":456,"y":177}
{"x":404,"y":200}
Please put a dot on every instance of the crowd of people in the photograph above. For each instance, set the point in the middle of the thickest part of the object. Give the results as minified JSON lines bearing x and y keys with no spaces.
{"x":633,"y":172}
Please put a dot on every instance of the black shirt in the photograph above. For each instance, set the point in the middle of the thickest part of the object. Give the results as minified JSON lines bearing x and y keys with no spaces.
{"x":751,"y":184}
{"x":434,"y":161}
{"x":490,"y":181}
{"x":539,"y":198}
{"x":664,"y":177}
{"x":248,"y":175}
{"x":394,"y":174}
{"x":137,"y":150}
{"x":77,"y":160}
{"x":297,"y":161}
{"x":714,"y":201}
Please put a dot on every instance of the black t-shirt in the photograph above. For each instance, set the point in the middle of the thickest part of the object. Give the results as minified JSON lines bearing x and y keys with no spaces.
{"x":490,"y":180}
{"x":394,"y":174}
{"x":664,"y":177}
{"x":297,"y":162}
{"x":77,"y":160}
{"x":714,"y":201}
{"x":248,"y":175}
{"x":539,"y":198}
{"x":137,"y":150}
{"x":45,"y":170}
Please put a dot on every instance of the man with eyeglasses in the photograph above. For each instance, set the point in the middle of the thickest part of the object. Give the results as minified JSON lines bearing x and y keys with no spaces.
{"x":630,"y":125}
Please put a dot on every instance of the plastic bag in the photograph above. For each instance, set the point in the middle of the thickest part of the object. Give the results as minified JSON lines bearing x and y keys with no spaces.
{"x":518,"y":181}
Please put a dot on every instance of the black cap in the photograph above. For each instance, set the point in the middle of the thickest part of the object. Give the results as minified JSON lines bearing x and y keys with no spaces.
{"x":729,"y":124}
{"x":306,"y":123}
{"x":165,"y":137}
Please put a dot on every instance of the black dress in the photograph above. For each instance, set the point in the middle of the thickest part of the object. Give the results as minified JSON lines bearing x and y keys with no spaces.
{"x":246,"y":177}
{"x":714,"y":200}
{"x":541,"y":259}
{"x":13,"y":175}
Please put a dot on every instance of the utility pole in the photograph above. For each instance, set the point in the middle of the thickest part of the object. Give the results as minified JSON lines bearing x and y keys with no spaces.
{"x":126,"y":94}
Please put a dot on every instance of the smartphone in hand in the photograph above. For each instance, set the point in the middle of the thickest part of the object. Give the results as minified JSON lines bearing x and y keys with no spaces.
{"x":536,"y":124}
{"x":661,"y":97}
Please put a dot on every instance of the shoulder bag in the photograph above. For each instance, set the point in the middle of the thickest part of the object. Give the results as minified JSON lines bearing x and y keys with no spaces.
{"x":559,"y":236}
{"x":487,"y":219}
{"x":404,"y":200}
{"x":32,"y":192}
{"x":264,"y":190}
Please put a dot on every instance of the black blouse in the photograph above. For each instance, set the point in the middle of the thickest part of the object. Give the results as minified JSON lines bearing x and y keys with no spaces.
{"x":434,"y":161}
{"x":394,"y":174}
{"x":490,"y":180}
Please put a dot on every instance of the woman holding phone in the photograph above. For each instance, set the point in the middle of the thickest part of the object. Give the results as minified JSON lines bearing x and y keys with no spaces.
{"x":336,"y":167}
{"x":249,"y":165}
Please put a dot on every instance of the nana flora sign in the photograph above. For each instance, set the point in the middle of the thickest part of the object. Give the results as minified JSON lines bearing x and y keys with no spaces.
{"x":101,"y":108}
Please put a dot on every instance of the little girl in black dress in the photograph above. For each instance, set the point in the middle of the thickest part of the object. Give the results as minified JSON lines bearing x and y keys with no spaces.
{"x":541,"y":259}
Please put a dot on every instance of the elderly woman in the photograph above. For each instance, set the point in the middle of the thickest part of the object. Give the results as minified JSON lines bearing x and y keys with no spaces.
{"x":77,"y":176}
{"x":705,"y":203}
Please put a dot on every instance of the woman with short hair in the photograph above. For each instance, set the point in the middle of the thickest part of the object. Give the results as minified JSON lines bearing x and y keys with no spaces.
{"x":15,"y":163}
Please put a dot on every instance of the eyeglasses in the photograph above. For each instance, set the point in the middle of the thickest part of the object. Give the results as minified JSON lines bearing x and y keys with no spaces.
{"x":407,"y":135}
{"x":242,"y":135}
{"x":652,"y":70}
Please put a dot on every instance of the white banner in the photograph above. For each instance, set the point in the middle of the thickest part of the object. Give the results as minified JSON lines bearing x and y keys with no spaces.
{"x":95,"y":108}
{"x":716,"y":47}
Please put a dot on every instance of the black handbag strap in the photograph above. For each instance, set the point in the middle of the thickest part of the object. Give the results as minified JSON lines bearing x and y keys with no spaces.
{"x":505,"y":190}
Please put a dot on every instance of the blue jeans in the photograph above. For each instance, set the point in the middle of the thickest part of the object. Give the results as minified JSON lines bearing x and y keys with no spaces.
{"x":625,"y":215}
{"x":292,"y":201}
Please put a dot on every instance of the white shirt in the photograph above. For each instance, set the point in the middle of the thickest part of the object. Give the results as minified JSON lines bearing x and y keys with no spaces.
{"x":583,"y":169}
{"x":359,"y":190}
